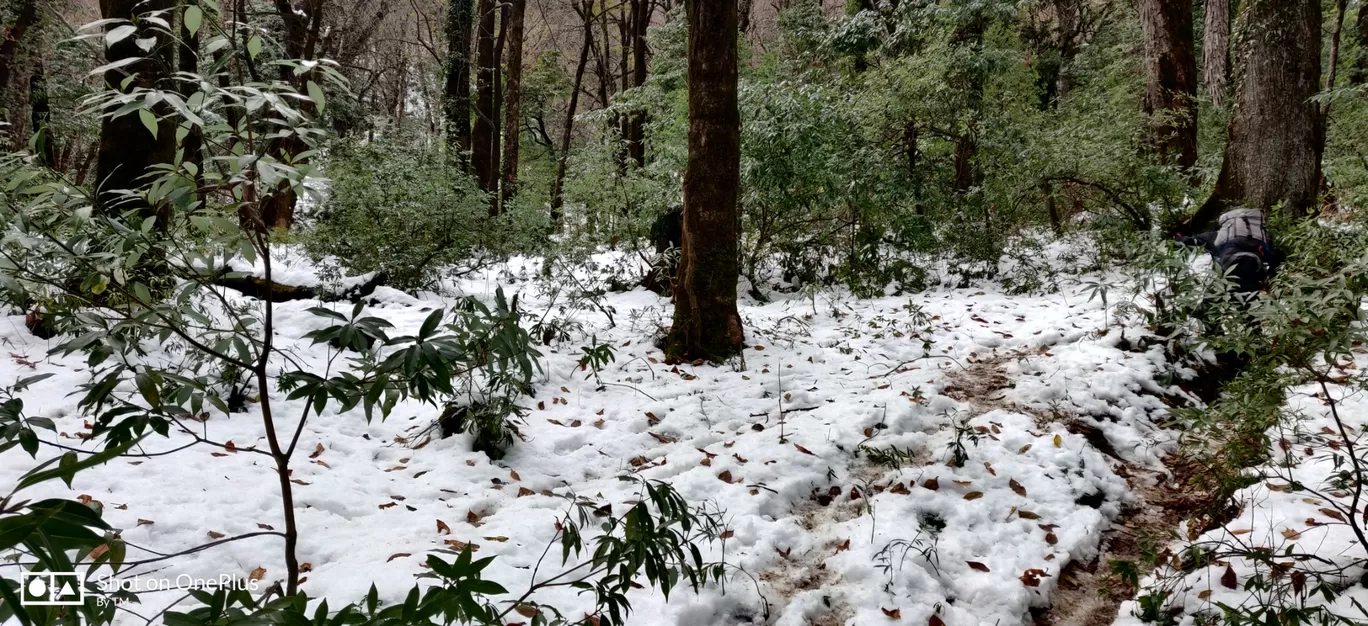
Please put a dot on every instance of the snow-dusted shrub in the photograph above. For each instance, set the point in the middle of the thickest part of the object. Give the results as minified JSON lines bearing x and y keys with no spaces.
{"x":403,"y":209}
{"x":1282,"y":455}
{"x":137,"y":292}
{"x":477,"y":360}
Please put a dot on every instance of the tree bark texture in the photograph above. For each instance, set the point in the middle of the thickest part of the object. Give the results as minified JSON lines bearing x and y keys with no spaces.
{"x":1273,"y":149}
{"x":635,"y":134}
{"x":485,"y":139}
{"x":512,"y":100}
{"x":1170,"y":80}
{"x":456,"y":103}
{"x":10,"y":45}
{"x":706,"y":322}
{"x":1216,"y":50}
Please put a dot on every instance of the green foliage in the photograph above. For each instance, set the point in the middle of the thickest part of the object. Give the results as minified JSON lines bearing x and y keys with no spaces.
{"x":1298,"y":336}
{"x":402,"y":208}
{"x":481,"y":359}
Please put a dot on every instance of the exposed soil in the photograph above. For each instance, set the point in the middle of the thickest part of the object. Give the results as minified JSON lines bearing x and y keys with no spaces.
{"x":1088,"y":595}
{"x":800,"y":572}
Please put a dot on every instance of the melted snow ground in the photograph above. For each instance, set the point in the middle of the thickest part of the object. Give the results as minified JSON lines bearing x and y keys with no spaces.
{"x":369,"y":507}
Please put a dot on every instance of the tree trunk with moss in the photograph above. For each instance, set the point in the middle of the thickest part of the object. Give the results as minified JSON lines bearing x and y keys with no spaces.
{"x":1274,"y":145}
{"x":26,"y":15}
{"x":1170,"y":80}
{"x":706,"y":322}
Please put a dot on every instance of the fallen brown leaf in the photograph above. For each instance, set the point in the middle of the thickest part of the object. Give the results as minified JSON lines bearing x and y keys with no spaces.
{"x":1016,"y":487}
{"x":1228,"y":579}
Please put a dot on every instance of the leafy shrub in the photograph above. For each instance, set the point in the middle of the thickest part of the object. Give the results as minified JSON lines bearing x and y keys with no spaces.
{"x":400,"y":208}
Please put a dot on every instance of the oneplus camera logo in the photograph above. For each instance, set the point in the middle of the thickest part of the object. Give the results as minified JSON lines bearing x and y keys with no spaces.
{"x":52,"y":589}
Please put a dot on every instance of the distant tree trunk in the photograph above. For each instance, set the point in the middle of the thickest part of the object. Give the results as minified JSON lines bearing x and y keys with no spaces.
{"x":127,"y":148}
{"x":9,"y":46}
{"x":1332,"y":68}
{"x":484,"y":152}
{"x":456,"y":104}
{"x":1216,"y":50}
{"x":911,"y":138}
{"x":743,"y":15}
{"x":706,"y":322}
{"x":605,"y":57}
{"x":1170,"y":80}
{"x":40,"y":113}
{"x":1273,"y":147}
{"x":512,"y":102}
{"x":586,"y":12}
{"x":969,"y":35}
{"x":965,"y":149}
{"x":187,"y":60}
{"x":1051,"y":207}
{"x":1359,"y":74}
{"x":301,"y":37}
{"x":1070,"y":21}
{"x":635,"y":134}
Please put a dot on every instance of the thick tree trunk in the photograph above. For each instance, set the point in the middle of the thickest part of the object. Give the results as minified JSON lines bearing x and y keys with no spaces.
{"x":1216,"y":50}
{"x":586,"y":12}
{"x":512,"y":102}
{"x":484,"y":148}
{"x":127,"y":148}
{"x":9,"y":46}
{"x":706,"y":322}
{"x":301,"y":36}
{"x":1273,"y":148}
{"x":1170,"y":80}
{"x":456,"y":104}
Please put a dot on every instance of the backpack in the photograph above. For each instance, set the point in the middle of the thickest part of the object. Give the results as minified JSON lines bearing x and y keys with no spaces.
{"x":1241,"y":223}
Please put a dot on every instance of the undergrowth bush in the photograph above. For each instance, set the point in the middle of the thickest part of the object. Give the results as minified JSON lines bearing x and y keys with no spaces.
{"x":401,"y":207}
{"x":1297,"y":339}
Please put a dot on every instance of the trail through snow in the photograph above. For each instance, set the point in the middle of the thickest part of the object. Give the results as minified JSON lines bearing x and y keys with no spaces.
{"x":1034,"y":383}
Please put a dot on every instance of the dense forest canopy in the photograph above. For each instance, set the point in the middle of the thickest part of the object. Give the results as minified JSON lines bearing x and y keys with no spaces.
{"x":936,"y":268}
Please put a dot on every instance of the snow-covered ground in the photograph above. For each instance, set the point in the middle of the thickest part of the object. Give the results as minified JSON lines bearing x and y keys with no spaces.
{"x":768,"y":444}
{"x":1282,"y":521}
